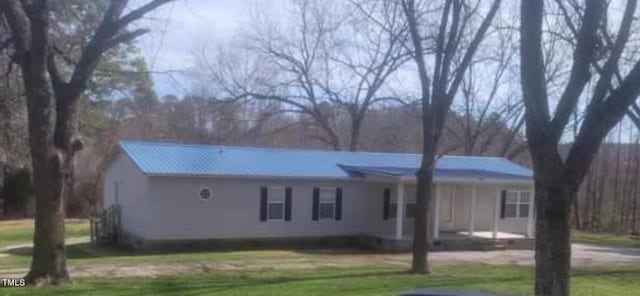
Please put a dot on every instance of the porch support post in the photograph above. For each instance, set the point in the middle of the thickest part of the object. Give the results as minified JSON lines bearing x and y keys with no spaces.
{"x":496,"y":215}
{"x":472,"y":212}
{"x":399,"y":209}
{"x":436,"y":213}
{"x":530,"y":214}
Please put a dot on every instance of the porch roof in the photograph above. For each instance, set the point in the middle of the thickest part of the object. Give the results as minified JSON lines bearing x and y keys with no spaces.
{"x":507,"y":171}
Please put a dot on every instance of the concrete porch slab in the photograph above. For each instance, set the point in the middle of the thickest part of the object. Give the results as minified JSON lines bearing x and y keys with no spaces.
{"x":449,"y":241}
{"x":489,"y":234}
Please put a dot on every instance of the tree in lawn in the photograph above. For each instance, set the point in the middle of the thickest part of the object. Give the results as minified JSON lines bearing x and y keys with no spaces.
{"x":612,"y":90}
{"x":451,"y":60}
{"x":52,"y":102}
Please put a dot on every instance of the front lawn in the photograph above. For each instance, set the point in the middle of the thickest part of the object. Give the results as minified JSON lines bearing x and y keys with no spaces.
{"x":372,"y":280}
{"x":605,"y":239}
{"x":112,"y":271}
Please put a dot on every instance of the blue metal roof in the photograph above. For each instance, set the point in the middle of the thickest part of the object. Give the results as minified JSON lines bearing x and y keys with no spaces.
{"x":439,"y":172}
{"x":204,"y":160}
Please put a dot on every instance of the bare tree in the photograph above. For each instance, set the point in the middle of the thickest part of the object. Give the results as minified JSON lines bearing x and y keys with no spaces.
{"x":489,"y":119}
{"x":52,"y":102}
{"x":452,"y":58}
{"x":325,"y":61}
{"x":558,"y":177}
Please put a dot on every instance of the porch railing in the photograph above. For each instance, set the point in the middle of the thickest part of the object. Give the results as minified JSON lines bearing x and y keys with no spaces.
{"x":106,"y":226}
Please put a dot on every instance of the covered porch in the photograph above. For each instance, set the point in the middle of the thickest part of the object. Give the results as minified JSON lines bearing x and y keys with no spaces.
{"x":468,"y":210}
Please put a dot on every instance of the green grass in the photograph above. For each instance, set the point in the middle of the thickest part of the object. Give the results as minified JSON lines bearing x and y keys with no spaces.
{"x":21,"y":232}
{"x":82,"y":254}
{"x":88,"y":254}
{"x":605,"y":239}
{"x":510,"y":280}
{"x":343,"y":279}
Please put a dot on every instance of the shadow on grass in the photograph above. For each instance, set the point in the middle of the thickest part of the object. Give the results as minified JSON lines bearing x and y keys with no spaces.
{"x":89,"y":250}
{"x":317,"y":283}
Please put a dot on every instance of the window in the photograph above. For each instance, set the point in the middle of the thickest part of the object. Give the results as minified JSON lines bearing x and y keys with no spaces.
{"x":517,"y":204}
{"x":275,"y":203}
{"x":327,"y":206}
{"x":393,"y":210}
{"x":205,"y":193}
{"x":409,"y":210}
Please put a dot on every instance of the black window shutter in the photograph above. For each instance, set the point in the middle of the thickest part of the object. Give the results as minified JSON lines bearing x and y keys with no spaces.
{"x":316,"y":203}
{"x":503,"y":203}
{"x":338,"y":203}
{"x":263,"y":204}
{"x":386,"y":203}
{"x":287,"y":204}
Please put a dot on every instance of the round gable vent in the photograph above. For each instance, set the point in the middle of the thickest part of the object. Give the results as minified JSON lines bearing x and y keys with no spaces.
{"x":205,"y":193}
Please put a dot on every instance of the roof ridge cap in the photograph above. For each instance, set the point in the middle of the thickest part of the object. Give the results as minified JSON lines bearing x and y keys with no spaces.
{"x":261,"y":148}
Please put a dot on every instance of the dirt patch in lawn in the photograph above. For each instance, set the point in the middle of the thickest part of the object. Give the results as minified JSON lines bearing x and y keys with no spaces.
{"x":311,"y":259}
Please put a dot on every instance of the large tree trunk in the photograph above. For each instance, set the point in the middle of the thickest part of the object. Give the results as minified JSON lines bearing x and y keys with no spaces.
{"x":420,"y":263}
{"x":49,"y":254}
{"x":553,"y":246}
{"x":52,"y":151}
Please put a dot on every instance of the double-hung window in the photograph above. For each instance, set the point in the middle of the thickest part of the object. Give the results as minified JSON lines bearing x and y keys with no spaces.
{"x":275,"y":203}
{"x":517,"y":204}
{"x":327,"y":205}
{"x":409,"y":210}
{"x":409,"y":205}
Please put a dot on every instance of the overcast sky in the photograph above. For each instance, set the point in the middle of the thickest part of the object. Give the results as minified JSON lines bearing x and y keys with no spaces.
{"x":181,"y":27}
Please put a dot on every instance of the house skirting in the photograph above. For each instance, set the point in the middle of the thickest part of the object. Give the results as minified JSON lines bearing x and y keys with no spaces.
{"x":241,"y":244}
{"x":365,"y":241}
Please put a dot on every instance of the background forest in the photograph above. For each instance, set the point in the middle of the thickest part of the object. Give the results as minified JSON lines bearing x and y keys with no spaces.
{"x":318,"y":80}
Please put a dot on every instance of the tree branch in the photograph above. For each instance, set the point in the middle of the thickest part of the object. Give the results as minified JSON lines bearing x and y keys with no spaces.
{"x":140,"y":12}
{"x":124,"y":38}
{"x":533,"y":81}
{"x":583,"y":56}
{"x":105,"y":38}
{"x":19,"y":24}
{"x":473,"y":46}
